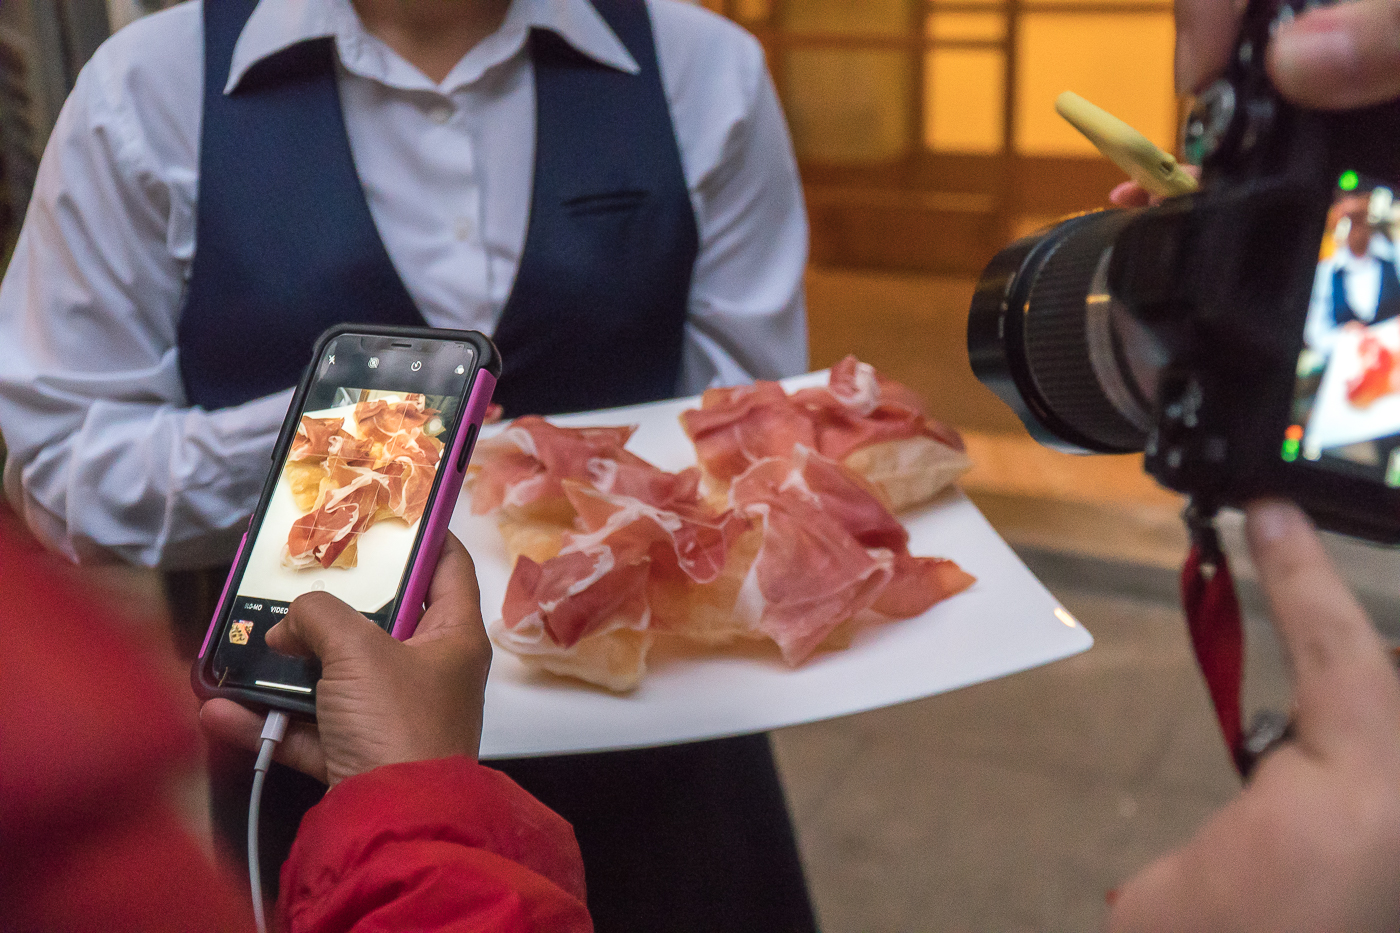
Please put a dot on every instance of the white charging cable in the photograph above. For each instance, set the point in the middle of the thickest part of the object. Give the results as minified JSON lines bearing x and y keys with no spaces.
{"x":273,"y":729}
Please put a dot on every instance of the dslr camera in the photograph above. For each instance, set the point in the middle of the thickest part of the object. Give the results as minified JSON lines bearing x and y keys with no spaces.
{"x":1245,"y":337}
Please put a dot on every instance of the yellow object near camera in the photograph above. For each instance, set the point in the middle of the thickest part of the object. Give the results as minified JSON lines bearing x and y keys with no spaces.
{"x":1156,"y":171}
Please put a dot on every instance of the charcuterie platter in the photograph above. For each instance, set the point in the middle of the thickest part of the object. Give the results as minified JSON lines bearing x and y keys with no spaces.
{"x":1004,"y":623}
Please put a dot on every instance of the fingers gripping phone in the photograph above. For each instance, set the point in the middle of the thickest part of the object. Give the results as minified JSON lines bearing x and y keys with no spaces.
{"x":367,"y":470}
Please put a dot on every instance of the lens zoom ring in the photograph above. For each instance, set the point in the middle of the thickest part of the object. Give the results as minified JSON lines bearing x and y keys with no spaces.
{"x":1056,"y":339}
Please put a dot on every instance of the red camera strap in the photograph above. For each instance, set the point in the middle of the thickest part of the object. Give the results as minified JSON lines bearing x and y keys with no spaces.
{"x":1217,"y":636}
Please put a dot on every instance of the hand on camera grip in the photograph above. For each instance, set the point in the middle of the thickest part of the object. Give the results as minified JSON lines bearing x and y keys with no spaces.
{"x":1312,"y":842}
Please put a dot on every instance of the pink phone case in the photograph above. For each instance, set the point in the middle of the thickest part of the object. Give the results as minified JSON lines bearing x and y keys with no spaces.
{"x":435,"y":528}
{"x":435,"y":523}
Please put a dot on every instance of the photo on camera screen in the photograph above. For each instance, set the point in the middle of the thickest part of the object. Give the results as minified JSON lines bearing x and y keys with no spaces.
{"x":349,"y":499}
{"x":1346,"y":402}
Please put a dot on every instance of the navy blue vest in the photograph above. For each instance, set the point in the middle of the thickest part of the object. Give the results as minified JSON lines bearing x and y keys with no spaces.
{"x":286,"y":245}
{"x":1387,"y":304}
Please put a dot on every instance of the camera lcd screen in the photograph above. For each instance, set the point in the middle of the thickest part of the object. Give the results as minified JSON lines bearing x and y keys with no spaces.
{"x":350,"y":496}
{"x":1346,"y":400}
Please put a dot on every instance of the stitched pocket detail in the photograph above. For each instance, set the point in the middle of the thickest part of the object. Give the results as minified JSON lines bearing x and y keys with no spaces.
{"x":606,"y":202}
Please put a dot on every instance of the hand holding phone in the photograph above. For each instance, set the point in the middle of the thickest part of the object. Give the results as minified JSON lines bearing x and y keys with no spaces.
{"x":367,"y":470}
{"x":379,"y":701}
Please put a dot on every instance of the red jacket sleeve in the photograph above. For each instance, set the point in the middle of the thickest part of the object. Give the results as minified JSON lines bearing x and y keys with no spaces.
{"x":433,"y":845}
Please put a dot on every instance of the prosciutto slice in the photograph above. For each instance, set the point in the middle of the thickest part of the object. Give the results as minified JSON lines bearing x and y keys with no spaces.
{"x":1379,"y":375}
{"x":314,"y":436}
{"x":874,"y":425}
{"x":830,"y":551}
{"x":527,"y":463}
{"x":384,"y":418}
{"x":347,"y":507}
{"x":736,"y":427}
{"x":407,"y":468}
{"x":613,"y":579}
{"x":522,"y":472}
{"x":859,"y":407}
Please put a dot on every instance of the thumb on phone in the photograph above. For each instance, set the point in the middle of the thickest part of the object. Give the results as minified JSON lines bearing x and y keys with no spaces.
{"x":318,"y":625}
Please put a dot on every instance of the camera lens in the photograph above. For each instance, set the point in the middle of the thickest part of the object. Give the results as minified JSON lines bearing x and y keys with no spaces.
{"x":1046,"y":336}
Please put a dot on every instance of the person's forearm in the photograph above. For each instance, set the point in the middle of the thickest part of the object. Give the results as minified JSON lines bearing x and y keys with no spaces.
{"x":148,"y":484}
{"x":106,"y":461}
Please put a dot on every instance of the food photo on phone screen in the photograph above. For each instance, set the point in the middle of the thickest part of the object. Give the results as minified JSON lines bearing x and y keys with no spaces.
{"x":350,"y":497}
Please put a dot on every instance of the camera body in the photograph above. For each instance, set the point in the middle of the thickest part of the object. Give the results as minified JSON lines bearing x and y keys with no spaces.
{"x":1231,"y":335}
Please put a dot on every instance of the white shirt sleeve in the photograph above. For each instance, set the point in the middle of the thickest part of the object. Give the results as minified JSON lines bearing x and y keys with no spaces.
{"x":747,"y":316}
{"x":106,"y":459}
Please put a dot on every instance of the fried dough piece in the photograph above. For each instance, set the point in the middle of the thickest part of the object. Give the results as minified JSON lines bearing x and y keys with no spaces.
{"x":908,"y":472}
{"x":538,"y":540}
{"x":350,"y":556}
{"x":714,"y":613}
{"x":304,"y":478}
{"x":582,"y":614}
{"x":613,"y":658}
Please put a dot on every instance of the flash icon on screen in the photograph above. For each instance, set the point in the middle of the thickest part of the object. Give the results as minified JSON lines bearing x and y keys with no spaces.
{"x":374,"y":362}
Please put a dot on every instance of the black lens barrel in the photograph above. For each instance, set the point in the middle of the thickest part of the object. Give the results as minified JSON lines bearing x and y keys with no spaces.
{"x":1028,"y":336}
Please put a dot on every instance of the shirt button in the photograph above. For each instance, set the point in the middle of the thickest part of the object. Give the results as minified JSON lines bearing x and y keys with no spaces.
{"x":440,"y":114}
{"x":462,"y":229}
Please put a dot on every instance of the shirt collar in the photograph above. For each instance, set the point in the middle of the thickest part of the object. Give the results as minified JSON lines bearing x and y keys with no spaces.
{"x":276,"y":25}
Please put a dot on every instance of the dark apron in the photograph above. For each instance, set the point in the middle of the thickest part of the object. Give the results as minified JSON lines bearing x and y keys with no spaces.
{"x":691,"y":837}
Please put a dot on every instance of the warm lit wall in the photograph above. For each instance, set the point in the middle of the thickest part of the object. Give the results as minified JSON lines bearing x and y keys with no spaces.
{"x":1120,"y":61}
{"x":870,"y":80}
{"x":955,"y":97}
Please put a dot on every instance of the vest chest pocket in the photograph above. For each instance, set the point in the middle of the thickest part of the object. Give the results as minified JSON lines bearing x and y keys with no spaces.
{"x":606,"y":202}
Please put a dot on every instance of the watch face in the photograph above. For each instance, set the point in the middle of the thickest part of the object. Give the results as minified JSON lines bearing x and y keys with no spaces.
{"x":1346,"y":399}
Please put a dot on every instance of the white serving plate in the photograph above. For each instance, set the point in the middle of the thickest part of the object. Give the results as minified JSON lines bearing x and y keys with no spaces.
{"x":1006,"y":622}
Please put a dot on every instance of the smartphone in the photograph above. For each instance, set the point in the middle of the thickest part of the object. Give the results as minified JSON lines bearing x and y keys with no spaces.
{"x":366,"y":472}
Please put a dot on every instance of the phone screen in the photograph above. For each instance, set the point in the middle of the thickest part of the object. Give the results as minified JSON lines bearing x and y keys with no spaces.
{"x":345,"y":515}
{"x":1346,"y":400}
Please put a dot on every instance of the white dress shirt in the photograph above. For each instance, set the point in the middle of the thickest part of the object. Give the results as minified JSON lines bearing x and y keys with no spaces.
{"x":1361,"y":277}
{"x":107,"y":458}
